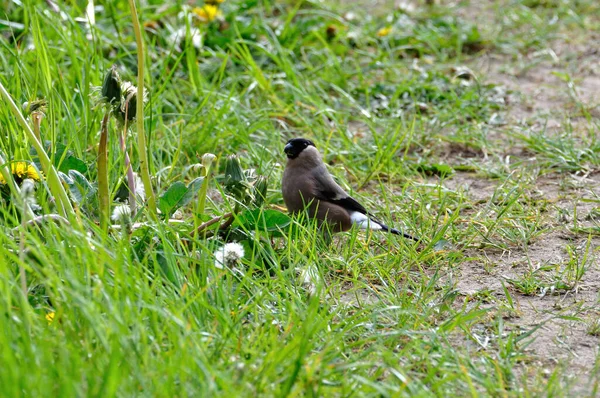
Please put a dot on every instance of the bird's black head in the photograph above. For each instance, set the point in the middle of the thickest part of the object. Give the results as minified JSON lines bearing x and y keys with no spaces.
{"x":295,"y":146}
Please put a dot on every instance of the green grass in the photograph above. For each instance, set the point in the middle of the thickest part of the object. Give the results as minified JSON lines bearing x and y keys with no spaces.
{"x":142,"y":309}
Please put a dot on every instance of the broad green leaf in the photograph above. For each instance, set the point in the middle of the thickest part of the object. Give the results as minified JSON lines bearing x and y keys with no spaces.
{"x":85,"y":190}
{"x":79,"y":186}
{"x":178,"y":195}
{"x":64,"y":160}
{"x":168,"y":201}
{"x":267,"y":219}
{"x":192,"y":189}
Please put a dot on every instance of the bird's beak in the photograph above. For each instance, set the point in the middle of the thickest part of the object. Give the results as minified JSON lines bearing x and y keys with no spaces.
{"x":288,"y":149}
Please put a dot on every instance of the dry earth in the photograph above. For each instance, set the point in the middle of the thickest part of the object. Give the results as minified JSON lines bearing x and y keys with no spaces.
{"x":539,"y":98}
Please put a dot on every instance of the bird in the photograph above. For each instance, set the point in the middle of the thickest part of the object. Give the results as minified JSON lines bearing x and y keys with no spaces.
{"x":307,"y":185}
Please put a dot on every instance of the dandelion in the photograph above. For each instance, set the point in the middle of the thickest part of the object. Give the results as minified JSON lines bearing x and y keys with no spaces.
{"x":50,"y":317}
{"x":207,"y":13}
{"x":22,"y":171}
{"x":111,"y":87}
{"x":121,"y":214}
{"x":208,"y":159}
{"x":39,"y":105}
{"x":309,"y":278}
{"x":140,"y":190}
{"x":261,"y":186}
{"x":178,"y":35}
{"x":28,"y":192}
{"x":229,"y":255}
{"x":130,"y":100}
{"x":384,"y":31}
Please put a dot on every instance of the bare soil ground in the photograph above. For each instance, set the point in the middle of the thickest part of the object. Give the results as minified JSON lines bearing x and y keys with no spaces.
{"x":540,"y":97}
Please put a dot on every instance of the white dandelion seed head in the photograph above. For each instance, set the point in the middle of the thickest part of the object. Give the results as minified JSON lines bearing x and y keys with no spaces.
{"x":177,"y":36}
{"x":229,"y":255}
{"x":121,"y":214}
{"x":219,"y":259}
{"x":233,"y":251}
{"x":140,"y":191}
{"x":309,"y":278}
{"x":28,"y":191}
{"x":127,"y":88}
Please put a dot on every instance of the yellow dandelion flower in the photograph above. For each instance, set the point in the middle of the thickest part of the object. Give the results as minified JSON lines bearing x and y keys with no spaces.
{"x":207,"y":13}
{"x":21,"y":171}
{"x":24,"y":170}
{"x":384,"y":31}
{"x":50,"y":317}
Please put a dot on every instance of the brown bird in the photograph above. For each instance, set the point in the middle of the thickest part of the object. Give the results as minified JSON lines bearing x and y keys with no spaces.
{"x":307,"y":184}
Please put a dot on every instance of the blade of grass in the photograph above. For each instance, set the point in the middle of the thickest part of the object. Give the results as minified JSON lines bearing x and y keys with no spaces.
{"x":141,"y":137}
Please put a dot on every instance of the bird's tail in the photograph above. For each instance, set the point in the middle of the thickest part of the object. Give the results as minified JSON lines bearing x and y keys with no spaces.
{"x":397,"y":232}
{"x":367,"y":221}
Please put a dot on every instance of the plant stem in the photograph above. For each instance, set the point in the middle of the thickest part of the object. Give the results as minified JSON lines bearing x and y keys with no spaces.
{"x":5,"y":171}
{"x":215,"y":220}
{"x":54,"y":184}
{"x":37,"y":121}
{"x":130,"y":176}
{"x":103,"y":190}
{"x":38,"y":221}
{"x":22,"y":274}
{"x":141,"y":138}
{"x":202,"y":197}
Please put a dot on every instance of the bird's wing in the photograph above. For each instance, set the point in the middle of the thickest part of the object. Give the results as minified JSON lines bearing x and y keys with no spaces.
{"x":326,"y":189}
{"x":347,"y":202}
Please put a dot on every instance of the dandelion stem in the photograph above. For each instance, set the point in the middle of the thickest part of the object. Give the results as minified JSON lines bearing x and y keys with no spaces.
{"x":141,"y":138}
{"x":103,"y":190}
{"x":5,"y":171}
{"x":215,"y":220}
{"x":130,"y":176}
{"x":40,"y":220}
{"x":37,"y":121}
{"x":202,"y":195}
{"x":54,"y":184}
{"x":22,"y":274}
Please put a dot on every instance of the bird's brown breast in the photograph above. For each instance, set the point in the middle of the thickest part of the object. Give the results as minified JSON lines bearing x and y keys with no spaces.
{"x":298,"y":189}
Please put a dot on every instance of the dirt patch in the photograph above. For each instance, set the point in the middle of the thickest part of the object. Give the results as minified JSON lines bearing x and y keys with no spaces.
{"x":549,"y":92}
{"x":560,"y":308}
{"x":475,"y":188}
{"x":561,"y":317}
{"x":554,"y":90}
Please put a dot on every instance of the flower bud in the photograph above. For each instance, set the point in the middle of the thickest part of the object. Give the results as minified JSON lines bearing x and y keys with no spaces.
{"x":111,"y":87}
{"x":260,"y":190}
{"x":208,"y":159}
{"x":233,"y":170}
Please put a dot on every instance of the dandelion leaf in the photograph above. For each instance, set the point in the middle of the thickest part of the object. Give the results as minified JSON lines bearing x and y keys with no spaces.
{"x":178,"y":195}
